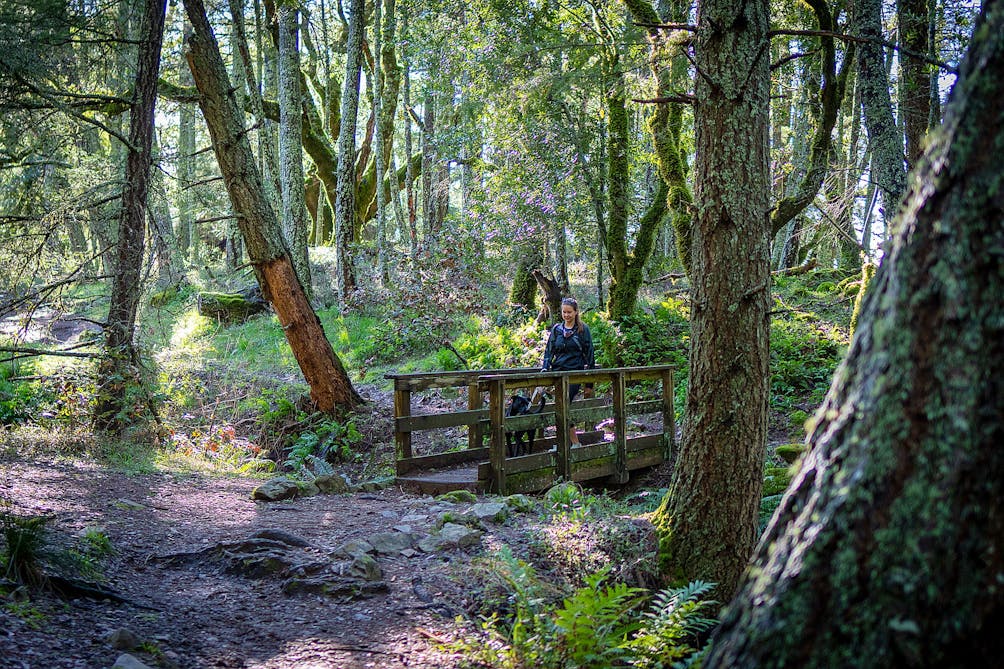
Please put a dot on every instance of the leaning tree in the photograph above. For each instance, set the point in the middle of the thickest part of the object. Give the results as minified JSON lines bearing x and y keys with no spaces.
{"x":888,"y":548}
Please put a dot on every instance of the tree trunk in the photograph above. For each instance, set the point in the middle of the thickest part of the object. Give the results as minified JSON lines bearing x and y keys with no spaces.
{"x":886,"y":550}
{"x":528,"y":257}
{"x":914,"y":78}
{"x":884,"y":139}
{"x":379,"y":133}
{"x":330,"y":387}
{"x":708,"y":520}
{"x":119,"y":370}
{"x":345,"y":202}
{"x":294,"y":220}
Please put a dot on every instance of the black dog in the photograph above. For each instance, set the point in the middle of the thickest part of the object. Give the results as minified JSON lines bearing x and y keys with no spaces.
{"x":520,"y":442}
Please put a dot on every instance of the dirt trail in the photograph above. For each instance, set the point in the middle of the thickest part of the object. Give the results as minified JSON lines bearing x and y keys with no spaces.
{"x":204,"y":617}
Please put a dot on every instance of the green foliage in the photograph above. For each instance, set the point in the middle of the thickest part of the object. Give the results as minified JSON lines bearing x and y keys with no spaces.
{"x":775,"y":480}
{"x":659,"y":337}
{"x":768,"y":505}
{"x":24,"y":540}
{"x":19,"y":400}
{"x":790,"y":452}
{"x":328,"y":441}
{"x":32,"y":616}
{"x":568,"y":499}
{"x":672,"y":626}
{"x":598,"y":625}
{"x":804,"y":354}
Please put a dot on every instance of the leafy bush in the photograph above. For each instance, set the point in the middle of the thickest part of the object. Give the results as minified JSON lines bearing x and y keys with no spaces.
{"x":24,"y":539}
{"x":659,"y":337}
{"x":803,"y":356}
{"x":327,"y":441}
{"x":671,"y":627}
{"x":19,"y":400}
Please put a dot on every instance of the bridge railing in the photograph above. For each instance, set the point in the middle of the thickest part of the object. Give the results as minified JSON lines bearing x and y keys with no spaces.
{"x":535,"y":471}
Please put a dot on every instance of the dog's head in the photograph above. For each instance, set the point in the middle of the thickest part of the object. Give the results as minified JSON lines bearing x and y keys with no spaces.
{"x":518,"y":406}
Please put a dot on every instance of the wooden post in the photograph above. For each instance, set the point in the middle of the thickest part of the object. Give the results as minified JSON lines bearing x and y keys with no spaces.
{"x":402,"y":409}
{"x":496,"y":451}
{"x":668,"y":416}
{"x":561,"y":424}
{"x":474,"y":402}
{"x":620,"y":428}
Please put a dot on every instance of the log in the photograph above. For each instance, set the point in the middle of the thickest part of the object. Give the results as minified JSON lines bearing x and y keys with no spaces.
{"x":231,"y":308}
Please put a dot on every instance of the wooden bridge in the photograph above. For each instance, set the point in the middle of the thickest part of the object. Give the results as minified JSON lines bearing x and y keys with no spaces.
{"x":481,"y":468}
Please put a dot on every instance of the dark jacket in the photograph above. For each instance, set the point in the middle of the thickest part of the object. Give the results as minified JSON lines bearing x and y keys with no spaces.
{"x":567,"y":350}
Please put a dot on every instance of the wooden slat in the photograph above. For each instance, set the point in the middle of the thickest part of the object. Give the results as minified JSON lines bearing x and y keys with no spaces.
{"x":402,"y":407}
{"x":640,"y":443}
{"x":535,"y":481}
{"x":647,"y":458}
{"x":600,"y":450}
{"x":562,"y":425}
{"x":407,"y":465}
{"x":496,"y":455}
{"x":475,"y":402}
{"x":526,"y":463}
{"x":595,"y":468}
{"x":432,"y":421}
{"x":668,"y":414}
{"x":620,"y":427}
{"x":430,"y":380}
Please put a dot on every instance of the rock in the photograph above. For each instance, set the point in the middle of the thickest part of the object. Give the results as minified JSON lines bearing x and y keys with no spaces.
{"x":450,"y":536}
{"x":276,"y":489}
{"x":353,"y":549}
{"x":374,"y":485}
{"x":338,"y":587}
{"x":366,"y":568}
{"x":258,"y":565}
{"x":495,"y":512}
{"x":127,"y":661}
{"x":282,"y":536}
{"x":391,"y":542}
{"x":308,"y":489}
{"x":409,"y":552}
{"x":331,"y":484}
{"x":123,"y":639}
{"x":406,"y":529}
{"x":415,"y":518}
{"x":520,"y":503}
{"x":465,"y":517}
{"x":457,"y":496}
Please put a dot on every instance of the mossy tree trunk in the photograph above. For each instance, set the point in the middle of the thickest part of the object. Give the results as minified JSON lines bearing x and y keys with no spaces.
{"x":914,"y":77}
{"x":118,"y":370}
{"x":707,"y":522}
{"x":528,"y":257}
{"x":330,"y":387}
{"x":886,"y":550}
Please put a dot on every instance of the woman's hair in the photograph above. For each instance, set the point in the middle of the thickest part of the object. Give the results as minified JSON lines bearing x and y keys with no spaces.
{"x":570,"y":301}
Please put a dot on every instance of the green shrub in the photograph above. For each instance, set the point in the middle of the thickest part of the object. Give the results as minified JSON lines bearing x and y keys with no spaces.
{"x":659,"y":337}
{"x":775,"y":480}
{"x":327,"y":441}
{"x":24,"y":540}
{"x":768,"y":505}
{"x":672,"y":626}
{"x":803,"y":355}
{"x":790,"y":452}
{"x":19,"y":400}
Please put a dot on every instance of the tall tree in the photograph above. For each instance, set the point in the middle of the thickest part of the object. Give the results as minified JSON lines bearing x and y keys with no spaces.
{"x":885,"y":142}
{"x":294,"y":207}
{"x":708,"y":520}
{"x":886,"y":550}
{"x":119,"y":369}
{"x":914,"y":78}
{"x":330,"y":387}
{"x":345,"y":202}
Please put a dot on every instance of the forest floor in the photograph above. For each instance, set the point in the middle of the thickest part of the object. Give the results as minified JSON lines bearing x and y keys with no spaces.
{"x":197,"y":615}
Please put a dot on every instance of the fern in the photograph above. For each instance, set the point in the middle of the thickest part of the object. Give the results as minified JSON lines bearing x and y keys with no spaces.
{"x":25,"y":540}
{"x":675,"y":620}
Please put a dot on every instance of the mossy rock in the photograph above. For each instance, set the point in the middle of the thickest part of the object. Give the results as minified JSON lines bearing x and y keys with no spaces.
{"x":520,"y":503}
{"x":775,"y":481}
{"x":457,"y":497}
{"x":826,"y":287}
{"x":164,"y":297}
{"x":231,"y":308}
{"x":790,"y":452}
{"x":798,"y":419}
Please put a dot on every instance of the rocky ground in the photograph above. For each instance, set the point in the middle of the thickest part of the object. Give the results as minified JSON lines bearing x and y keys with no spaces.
{"x":212,"y":578}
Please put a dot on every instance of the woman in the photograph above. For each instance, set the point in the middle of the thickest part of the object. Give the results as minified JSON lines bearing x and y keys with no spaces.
{"x":569,"y":347}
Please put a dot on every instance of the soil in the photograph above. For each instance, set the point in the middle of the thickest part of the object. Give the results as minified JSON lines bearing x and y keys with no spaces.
{"x":195,"y":615}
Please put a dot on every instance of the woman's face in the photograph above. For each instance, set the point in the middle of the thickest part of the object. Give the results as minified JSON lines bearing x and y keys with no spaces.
{"x":568,"y":314}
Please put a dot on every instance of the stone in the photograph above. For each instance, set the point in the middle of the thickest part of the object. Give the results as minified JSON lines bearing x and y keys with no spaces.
{"x":276,"y":489}
{"x":308,"y":489}
{"x":450,"y":536}
{"x":331,"y":484}
{"x":337,"y":587}
{"x":406,"y":529}
{"x":353,"y":549}
{"x":281,"y":536}
{"x":465,"y":517}
{"x":415,"y":518}
{"x":456,"y":496}
{"x":495,"y":512}
{"x":123,"y":639}
{"x":391,"y":542}
{"x":127,"y":661}
{"x":366,"y":568}
{"x":519,"y":502}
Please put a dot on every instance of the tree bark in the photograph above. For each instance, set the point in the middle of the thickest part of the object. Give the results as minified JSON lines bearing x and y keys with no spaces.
{"x":345,"y":201}
{"x":708,"y":520}
{"x":914,"y":78}
{"x":294,"y":220}
{"x":330,"y":387}
{"x":886,"y":550}
{"x":119,"y":370}
{"x":884,"y":139}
